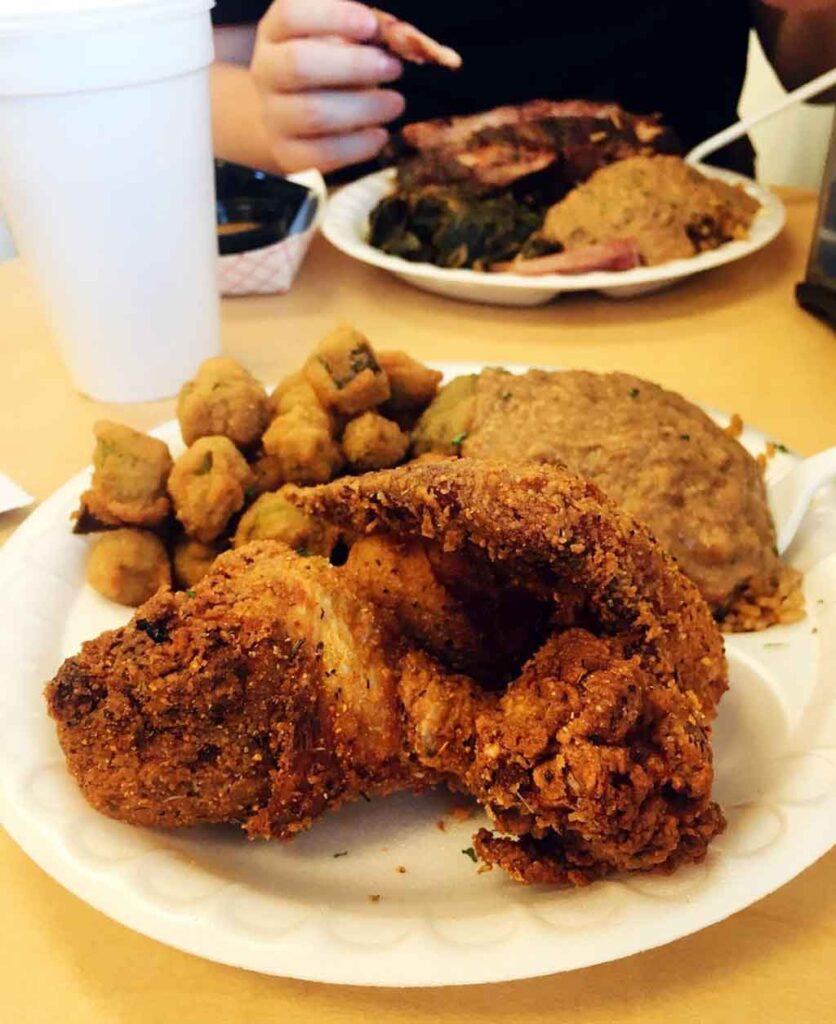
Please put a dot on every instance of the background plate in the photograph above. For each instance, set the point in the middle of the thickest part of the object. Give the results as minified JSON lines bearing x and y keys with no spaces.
{"x":346,"y":221}
{"x":298,"y":910}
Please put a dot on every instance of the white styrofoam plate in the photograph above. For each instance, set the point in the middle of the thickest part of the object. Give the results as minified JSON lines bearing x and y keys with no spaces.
{"x":346,"y":224}
{"x":297,"y":910}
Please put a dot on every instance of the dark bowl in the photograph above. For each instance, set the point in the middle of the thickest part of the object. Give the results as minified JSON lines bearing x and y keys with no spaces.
{"x":277,"y":208}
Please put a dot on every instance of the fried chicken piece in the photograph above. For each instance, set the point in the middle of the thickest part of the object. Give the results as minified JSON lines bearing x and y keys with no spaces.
{"x":543,"y":525}
{"x":279,"y":690}
{"x":130,"y":471}
{"x":265,"y":698}
{"x":455,"y":606}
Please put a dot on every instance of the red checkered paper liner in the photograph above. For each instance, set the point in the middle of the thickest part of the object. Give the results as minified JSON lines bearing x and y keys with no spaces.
{"x":271,"y":269}
{"x":266,"y":271}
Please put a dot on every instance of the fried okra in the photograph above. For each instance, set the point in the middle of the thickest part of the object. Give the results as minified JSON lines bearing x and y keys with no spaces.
{"x":444,"y":425}
{"x":223,"y":400}
{"x":412,"y":386}
{"x":267,"y":473}
{"x":293,"y":390}
{"x":208,"y":485}
{"x":130,"y":472}
{"x":192,"y":559}
{"x":372,"y":442}
{"x":301,"y":442}
{"x":272,"y":517}
{"x":128,"y":566}
{"x":344,"y":372}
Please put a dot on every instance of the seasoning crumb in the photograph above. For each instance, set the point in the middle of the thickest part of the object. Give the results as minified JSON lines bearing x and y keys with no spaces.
{"x":735,"y":426}
{"x":815,"y":630}
{"x":375,"y":898}
{"x":684,"y":437}
{"x":441,"y":825}
{"x":190,"y":593}
{"x":342,"y":853}
{"x":470,"y":852}
{"x":400,"y":869}
{"x":634,"y":392}
{"x":483,"y":869}
{"x":461,"y":812}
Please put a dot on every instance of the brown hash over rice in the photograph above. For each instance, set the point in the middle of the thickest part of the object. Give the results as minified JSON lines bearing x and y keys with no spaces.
{"x":659,"y":456}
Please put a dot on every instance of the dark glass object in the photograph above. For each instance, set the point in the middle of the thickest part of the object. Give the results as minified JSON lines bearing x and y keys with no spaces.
{"x":268,"y":207}
{"x":817,"y":292}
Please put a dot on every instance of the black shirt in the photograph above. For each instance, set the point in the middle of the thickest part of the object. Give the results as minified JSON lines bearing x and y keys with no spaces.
{"x":684,"y":59}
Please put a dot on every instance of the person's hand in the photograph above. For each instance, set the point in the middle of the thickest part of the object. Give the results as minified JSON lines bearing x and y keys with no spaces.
{"x":319,"y":84}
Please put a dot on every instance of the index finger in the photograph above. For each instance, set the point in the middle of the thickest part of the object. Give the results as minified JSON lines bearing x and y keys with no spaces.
{"x":289,"y":19}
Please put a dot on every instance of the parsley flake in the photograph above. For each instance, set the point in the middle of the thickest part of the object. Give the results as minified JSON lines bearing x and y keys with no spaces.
{"x":470,"y":852}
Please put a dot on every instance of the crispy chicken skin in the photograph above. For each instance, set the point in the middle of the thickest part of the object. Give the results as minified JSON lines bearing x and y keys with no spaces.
{"x":544,"y":525}
{"x":280,"y":689}
{"x":265,"y":698}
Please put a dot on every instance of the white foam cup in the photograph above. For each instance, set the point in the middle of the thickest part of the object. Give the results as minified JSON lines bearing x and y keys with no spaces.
{"x":106,"y":178}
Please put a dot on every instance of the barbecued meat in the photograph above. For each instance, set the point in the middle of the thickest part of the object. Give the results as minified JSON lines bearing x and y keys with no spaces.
{"x":410,"y":43}
{"x":473,"y":191}
{"x":496,"y":148}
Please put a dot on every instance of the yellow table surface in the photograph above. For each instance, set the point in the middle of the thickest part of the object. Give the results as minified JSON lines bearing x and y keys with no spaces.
{"x":732,"y":338}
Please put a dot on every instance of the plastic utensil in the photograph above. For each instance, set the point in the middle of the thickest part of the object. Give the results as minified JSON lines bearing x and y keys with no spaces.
{"x":790,"y":496}
{"x":740,"y":128}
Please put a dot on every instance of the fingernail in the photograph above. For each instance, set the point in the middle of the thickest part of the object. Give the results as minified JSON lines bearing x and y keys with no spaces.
{"x":394,"y":104}
{"x":388,"y":68}
{"x":362,"y":23}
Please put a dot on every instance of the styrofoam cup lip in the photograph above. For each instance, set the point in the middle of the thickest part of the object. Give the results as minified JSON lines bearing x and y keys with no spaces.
{"x":20,"y":17}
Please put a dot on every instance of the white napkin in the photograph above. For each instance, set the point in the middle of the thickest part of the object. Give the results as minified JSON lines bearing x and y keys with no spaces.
{"x":12,"y":495}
